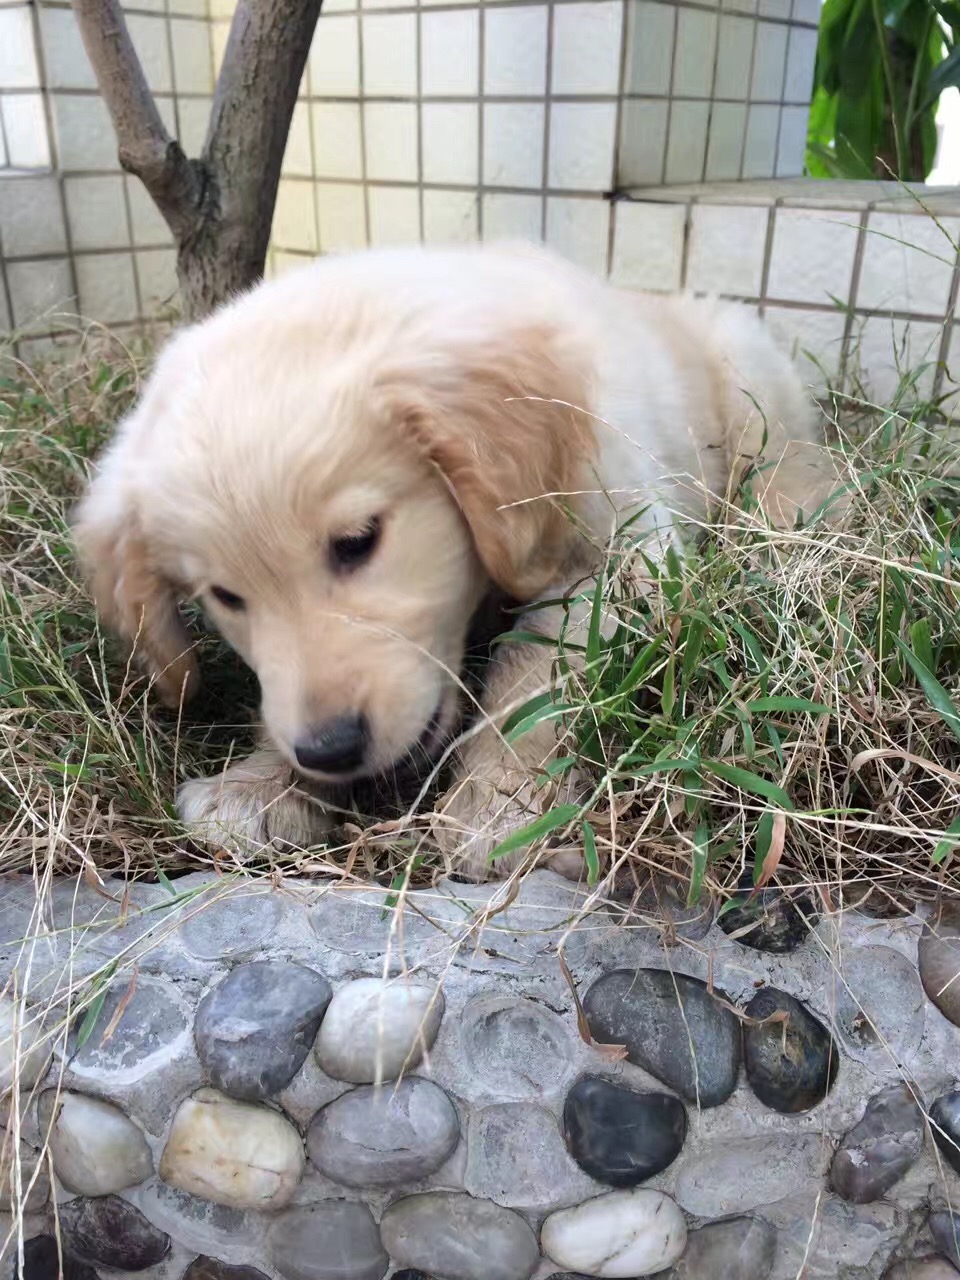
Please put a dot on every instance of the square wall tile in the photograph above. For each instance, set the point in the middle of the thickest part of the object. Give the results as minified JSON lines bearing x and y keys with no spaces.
{"x":643,"y":132}
{"x":4,"y":162}
{"x":581,"y":145}
{"x":192,"y":56}
{"x":734,"y":52}
{"x":801,"y":60}
{"x":31,"y":217}
{"x":774,"y":8}
{"x":651,"y":30}
{"x":84,"y":132}
{"x":157,"y":277}
{"x":337,"y":146}
{"x":450,"y":217}
{"x":335,"y":57}
{"x":739,"y":6}
{"x":450,"y":53}
{"x":194,"y":116}
{"x":586,"y":47}
{"x":286,"y":262}
{"x":39,"y":289}
{"x":687,"y":144}
{"x":149,"y":227}
{"x":513,"y":140}
{"x":512,"y":217}
{"x":580,"y":230}
{"x":792,"y":145}
{"x":149,"y":36}
{"x":694,"y":58}
{"x":192,"y":8}
{"x":769,"y":60}
{"x":450,"y":141}
{"x":298,"y":157}
{"x":760,"y":148}
{"x":18,"y":55}
{"x":394,"y":215}
{"x":390,"y":131}
{"x":807,"y":11}
{"x":728,"y":126}
{"x":342,"y":217}
{"x":25,"y":127}
{"x":97,"y":212}
{"x":648,"y":245}
{"x":515,"y":51}
{"x":222,"y":8}
{"x":908,"y":263}
{"x":390,"y":55}
{"x":65,"y":59}
{"x":813,"y":340}
{"x":294,"y":217}
{"x":727,"y":244}
{"x":107,"y":287}
{"x":883,"y":351}
{"x":812,"y":255}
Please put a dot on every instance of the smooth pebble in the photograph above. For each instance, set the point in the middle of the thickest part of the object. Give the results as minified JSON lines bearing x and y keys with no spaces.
{"x":376,"y":1028}
{"x":113,"y":1232}
{"x":204,"y":1268}
{"x":938,"y":958}
{"x":945,"y":1124}
{"x":734,"y":1249}
{"x":619,"y":1136}
{"x":23,"y":1053}
{"x":771,"y":920}
{"x":619,"y":1235}
{"x":791,"y":1061}
{"x":446,"y":1233}
{"x":328,"y":1240}
{"x":879,"y":1150}
{"x":96,"y":1149}
{"x":41,"y":1261}
{"x":945,"y":1229}
{"x":928,"y":1268}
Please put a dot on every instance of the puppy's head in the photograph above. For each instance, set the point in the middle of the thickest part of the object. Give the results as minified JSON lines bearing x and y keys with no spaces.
{"x":338,"y":480}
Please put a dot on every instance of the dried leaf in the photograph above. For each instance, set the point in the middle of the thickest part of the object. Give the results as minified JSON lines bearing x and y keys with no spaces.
{"x":609,"y":1052}
{"x":775,"y":851}
{"x":121,"y":1007}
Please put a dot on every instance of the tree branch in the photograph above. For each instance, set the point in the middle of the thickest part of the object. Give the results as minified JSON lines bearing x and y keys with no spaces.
{"x":145,"y":148}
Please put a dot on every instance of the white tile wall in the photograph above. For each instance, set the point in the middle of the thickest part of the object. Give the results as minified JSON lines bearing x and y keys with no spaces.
{"x":341,"y":217}
{"x":65,"y":59}
{"x":31,"y":217}
{"x":812,"y":255}
{"x":580,"y":230}
{"x":883,"y":351}
{"x":83,"y":132}
{"x":728,"y":124}
{"x":643,"y":133}
{"x":450,"y":133}
{"x":581,"y":145}
{"x":194,"y":116}
{"x":792,"y":146}
{"x":652,"y":30}
{"x":513,"y":144}
{"x":335,"y":57}
{"x":394,"y":215}
{"x":734,"y":54}
{"x":813,"y":339}
{"x":40,"y":288}
{"x":769,"y":62}
{"x":726,"y":250}
{"x":97,"y":213}
{"x":107,"y":287}
{"x":25,"y":127}
{"x":390,"y":55}
{"x":648,"y":245}
{"x":298,"y":157}
{"x":192,"y":56}
{"x":157,"y":278}
{"x":908,"y":263}
{"x":451,"y":53}
{"x":511,"y":217}
{"x":149,"y":227}
{"x":18,"y":59}
{"x":294,"y":218}
{"x":694,"y":57}
{"x":515,"y":51}
{"x":390,"y":130}
{"x":337,"y":146}
{"x":149,"y":36}
{"x":760,"y":146}
{"x":450,"y":217}
{"x":687,"y":143}
{"x":586,"y":47}
{"x":801,"y":59}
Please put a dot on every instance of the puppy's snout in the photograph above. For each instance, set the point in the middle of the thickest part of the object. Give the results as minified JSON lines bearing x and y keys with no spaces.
{"x":334,"y":746}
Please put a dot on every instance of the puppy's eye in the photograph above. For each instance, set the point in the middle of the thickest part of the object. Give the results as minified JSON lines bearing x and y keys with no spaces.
{"x":229,"y":599}
{"x":354,"y":549}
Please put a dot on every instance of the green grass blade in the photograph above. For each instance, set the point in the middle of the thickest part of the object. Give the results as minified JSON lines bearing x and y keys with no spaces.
{"x":785,"y":703}
{"x":748,"y":781}
{"x":590,"y":855}
{"x":701,"y":857}
{"x":936,"y":694}
{"x":945,"y":846}
{"x":536,"y":830}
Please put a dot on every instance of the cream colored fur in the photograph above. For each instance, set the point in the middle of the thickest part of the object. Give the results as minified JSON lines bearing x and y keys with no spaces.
{"x":499,"y":411}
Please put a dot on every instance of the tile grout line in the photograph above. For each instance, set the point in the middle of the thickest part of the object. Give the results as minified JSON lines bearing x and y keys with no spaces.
{"x":361,"y":112}
{"x":625,"y":33}
{"x":668,"y":123}
{"x":547,"y":119}
{"x":419,"y":75}
{"x":481,"y":101}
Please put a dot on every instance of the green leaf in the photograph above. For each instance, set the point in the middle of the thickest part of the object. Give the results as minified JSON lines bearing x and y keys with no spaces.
{"x":785,"y":703}
{"x":536,"y":830}
{"x":921,"y":643}
{"x":764,"y":838}
{"x":590,"y":855}
{"x":944,"y":76}
{"x":164,"y":878}
{"x":692,"y":648}
{"x":945,"y":846}
{"x":937,"y":695}
{"x":640,"y":665}
{"x":668,"y":695}
{"x":701,"y":857}
{"x":95,"y":1007}
{"x":748,"y":781}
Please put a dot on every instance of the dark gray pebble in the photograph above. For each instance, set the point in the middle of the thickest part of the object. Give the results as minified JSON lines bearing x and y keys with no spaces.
{"x":938,"y":958}
{"x":255,"y":1029}
{"x":791,"y":1062}
{"x":112,"y":1231}
{"x":41,"y":1261}
{"x":771,"y":920}
{"x":204,"y":1268}
{"x":619,"y":1136}
{"x":920,"y":1269}
{"x":945,"y":1123}
{"x":879,"y":1150}
{"x":659,"y":1016}
{"x":945,"y":1228}
{"x":733,"y":1249}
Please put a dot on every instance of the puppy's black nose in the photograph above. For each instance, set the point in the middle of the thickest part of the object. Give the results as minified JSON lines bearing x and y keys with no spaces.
{"x":335,"y":746}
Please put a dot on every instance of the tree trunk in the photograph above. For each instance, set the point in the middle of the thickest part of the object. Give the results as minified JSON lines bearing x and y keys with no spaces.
{"x":219,"y":207}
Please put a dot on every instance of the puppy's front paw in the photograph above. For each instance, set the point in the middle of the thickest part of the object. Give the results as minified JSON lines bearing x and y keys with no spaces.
{"x":482,"y":809}
{"x":248,"y":816}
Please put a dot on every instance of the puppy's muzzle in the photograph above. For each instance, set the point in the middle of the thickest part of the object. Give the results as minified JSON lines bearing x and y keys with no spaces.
{"x":334,"y":747}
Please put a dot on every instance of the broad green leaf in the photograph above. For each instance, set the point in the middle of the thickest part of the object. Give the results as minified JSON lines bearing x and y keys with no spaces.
{"x":536,"y":830}
{"x":748,"y":781}
{"x":785,"y":703}
{"x":936,"y":694}
{"x":701,"y":856}
{"x":945,"y":846}
{"x":590,"y":855}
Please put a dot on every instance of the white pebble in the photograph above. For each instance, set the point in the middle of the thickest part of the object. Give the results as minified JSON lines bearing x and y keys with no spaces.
{"x":96,"y":1149}
{"x":238,"y":1154}
{"x":375,"y":1029}
{"x":622,"y":1234}
{"x":23,"y":1054}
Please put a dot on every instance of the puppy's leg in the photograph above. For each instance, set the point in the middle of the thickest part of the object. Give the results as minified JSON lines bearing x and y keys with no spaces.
{"x":500,"y":786}
{"x":255,"y":804}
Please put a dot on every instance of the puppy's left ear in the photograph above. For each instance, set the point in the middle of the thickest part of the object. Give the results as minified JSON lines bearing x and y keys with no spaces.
{"x":507,"y":422}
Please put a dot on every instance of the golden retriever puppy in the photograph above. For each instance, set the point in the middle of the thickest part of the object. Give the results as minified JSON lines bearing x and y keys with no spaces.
{"x":342,"y":463}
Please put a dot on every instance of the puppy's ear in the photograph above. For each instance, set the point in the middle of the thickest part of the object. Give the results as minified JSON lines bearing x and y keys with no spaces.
{"x":506,"y":421}
{"x":131,"y":594}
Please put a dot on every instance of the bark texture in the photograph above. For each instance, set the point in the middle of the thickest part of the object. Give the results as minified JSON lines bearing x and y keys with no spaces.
{"x":218,"y":207}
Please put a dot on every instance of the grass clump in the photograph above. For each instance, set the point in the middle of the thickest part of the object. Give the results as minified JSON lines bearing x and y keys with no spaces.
{"x":764,"y":704}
